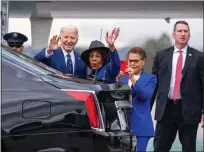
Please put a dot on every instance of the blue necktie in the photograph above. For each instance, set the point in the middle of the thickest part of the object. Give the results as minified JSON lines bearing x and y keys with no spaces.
{"x":69,"y":64}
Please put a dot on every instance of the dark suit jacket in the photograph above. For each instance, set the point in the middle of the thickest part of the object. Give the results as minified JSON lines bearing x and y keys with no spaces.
{"x":57,"y":61}
{"x":191,"y":84}
{"x":201,"y":66}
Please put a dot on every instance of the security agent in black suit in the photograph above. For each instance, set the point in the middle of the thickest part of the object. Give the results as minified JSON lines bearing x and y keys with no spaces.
{"x":178,"y":109}
{"x":201,"y":66}
{"x":15,"y":41}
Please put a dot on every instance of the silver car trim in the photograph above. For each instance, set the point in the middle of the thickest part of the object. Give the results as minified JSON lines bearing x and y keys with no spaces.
{"x":120,"y":105}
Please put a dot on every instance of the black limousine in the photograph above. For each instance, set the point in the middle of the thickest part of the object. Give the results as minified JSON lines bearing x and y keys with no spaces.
{"x":44,"y":110}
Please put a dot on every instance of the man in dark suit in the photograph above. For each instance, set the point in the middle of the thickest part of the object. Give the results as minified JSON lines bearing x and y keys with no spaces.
{"x":15,"y":41}
{"x":179,"y":92}
{"x":201,"y":66}
{"x":64,"y":58}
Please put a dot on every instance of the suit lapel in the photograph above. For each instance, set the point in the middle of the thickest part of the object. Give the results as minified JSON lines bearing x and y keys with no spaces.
{"x":169,"y":58}
{"x":142,"y":76}
{"x":189,"y":56}
{"x":62,"y":60}
{"x":77,"y":62}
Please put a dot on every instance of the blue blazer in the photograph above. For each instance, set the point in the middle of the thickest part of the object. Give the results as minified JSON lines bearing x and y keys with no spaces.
{"x":57,"y":61}
{"x":140,"y":115}
{"x":110,"y":71}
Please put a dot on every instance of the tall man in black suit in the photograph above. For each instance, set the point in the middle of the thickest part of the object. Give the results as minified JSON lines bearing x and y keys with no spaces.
{"x":179,"y":92}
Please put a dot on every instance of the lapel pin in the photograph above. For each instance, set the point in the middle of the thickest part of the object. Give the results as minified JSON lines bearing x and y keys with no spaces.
{"x":190,"y":54}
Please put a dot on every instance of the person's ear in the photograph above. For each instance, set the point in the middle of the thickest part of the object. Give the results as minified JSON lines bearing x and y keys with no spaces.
{"x":22,"y":47}
{"x":77,"y":40}
{"x":144,"y":61}
{"x":173,"y":35}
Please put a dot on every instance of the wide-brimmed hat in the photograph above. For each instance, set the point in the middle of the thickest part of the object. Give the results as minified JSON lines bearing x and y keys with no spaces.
{"x":99,"y":46}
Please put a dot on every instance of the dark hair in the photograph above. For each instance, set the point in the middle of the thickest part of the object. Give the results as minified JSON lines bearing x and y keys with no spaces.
{"x":137,"y":50}
{"x":180,"y":22}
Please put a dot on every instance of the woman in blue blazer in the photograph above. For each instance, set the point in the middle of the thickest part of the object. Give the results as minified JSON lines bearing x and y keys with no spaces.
{"x":104,"y":62}
{"x":142,"y":85}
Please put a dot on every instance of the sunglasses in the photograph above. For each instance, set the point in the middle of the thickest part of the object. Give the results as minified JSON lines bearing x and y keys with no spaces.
{"x":17,"y":45}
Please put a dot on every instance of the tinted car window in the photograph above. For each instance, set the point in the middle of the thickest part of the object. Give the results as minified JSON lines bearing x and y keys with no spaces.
{"x":37,"y":67}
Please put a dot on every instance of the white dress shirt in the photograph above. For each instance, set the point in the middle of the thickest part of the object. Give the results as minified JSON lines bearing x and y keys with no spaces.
{"x":173,"y":73}
{"x":65,"y":56}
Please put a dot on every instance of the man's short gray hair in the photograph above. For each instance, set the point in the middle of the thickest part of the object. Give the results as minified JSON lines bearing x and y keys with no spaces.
{"x":70,"y":27}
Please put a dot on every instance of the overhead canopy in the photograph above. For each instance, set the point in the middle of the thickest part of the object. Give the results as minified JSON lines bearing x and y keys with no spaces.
{"x":43,"y":13}
{"x":105,"y":9}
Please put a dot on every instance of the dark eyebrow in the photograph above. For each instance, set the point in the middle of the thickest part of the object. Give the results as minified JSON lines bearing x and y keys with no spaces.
{"x":182,"y":30}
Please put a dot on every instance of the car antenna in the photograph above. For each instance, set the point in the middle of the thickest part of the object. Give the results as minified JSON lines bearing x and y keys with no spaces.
{"x":94,"y":79}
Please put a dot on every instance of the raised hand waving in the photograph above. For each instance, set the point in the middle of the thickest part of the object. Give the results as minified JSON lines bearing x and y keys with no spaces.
{"x":110,"y":39}
{"x":54,"y":44}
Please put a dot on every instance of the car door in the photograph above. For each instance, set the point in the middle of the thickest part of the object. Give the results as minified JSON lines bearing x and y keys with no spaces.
{"x":38,"y":117}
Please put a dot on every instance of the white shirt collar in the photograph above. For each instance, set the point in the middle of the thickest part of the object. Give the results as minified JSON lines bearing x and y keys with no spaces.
{"x":184,"y":49}
{"x":65,"y":53}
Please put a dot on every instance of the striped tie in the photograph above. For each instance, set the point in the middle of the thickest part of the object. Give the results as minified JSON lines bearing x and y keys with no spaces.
{"x":69,"y":64}
{"x":178,"y":76}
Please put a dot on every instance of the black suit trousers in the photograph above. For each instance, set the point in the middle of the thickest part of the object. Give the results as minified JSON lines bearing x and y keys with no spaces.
{"x":166,"y":130}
